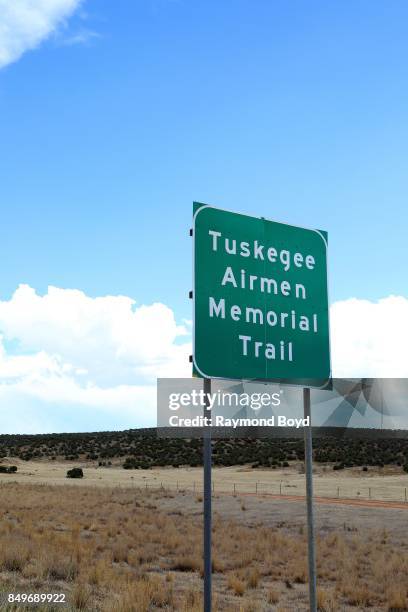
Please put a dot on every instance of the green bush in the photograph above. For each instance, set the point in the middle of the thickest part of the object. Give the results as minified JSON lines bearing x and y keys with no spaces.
{"x":75,"y":473}
{"x":8,"y":469}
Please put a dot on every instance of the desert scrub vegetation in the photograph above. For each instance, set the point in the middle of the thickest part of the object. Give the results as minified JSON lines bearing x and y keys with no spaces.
{"x":135,"y":550}
{"x":143,"y":449}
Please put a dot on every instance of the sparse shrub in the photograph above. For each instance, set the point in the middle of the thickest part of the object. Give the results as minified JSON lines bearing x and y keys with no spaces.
{"x":236,"y":585}
{"x":14,"y":556}
{"x":61,"y":568}
{"x":75,"y":473}
{"x":161,"y":593}
{"x":129,"y":464}
{"x":8,"y":469}
{"x":187,"y":564}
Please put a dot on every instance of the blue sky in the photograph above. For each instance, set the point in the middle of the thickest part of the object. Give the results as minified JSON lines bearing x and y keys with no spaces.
{"x":128,"y":111}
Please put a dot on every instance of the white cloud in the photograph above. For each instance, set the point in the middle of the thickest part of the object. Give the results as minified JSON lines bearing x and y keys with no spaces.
{"x":103,"y":352}
{"x":370,"y":338}
{"x":24,"y":24}
{"x":108,"y":338}
{"x":69,"y":361}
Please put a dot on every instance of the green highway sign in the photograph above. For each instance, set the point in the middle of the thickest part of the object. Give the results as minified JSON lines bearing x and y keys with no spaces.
{"x":260,"y":299}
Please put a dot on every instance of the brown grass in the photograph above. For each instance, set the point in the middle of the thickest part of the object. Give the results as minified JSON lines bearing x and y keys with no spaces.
{"x":326,"y":600}
{"x":253,"y":578}
{"x":187,"y":564}
{"x":397,"y":599}
{"x":236,"y":585}
{"x":272,"y":596}
{"x":109,"y":548}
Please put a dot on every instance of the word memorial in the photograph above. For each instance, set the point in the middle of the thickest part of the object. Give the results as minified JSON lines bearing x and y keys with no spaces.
{"x":260,"y":299}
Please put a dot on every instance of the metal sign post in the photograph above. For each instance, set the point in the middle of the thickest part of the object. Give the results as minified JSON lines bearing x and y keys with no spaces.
{"x":260,"y":312}
{"x":207,"y":502}
{"x":309,"y":502}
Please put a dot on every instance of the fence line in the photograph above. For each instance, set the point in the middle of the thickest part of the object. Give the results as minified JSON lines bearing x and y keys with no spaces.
{"x":283,"y":489}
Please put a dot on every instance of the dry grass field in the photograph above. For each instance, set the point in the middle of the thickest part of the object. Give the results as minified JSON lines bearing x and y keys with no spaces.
{"x":387,"y":483}
{"x":132,"y":549}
